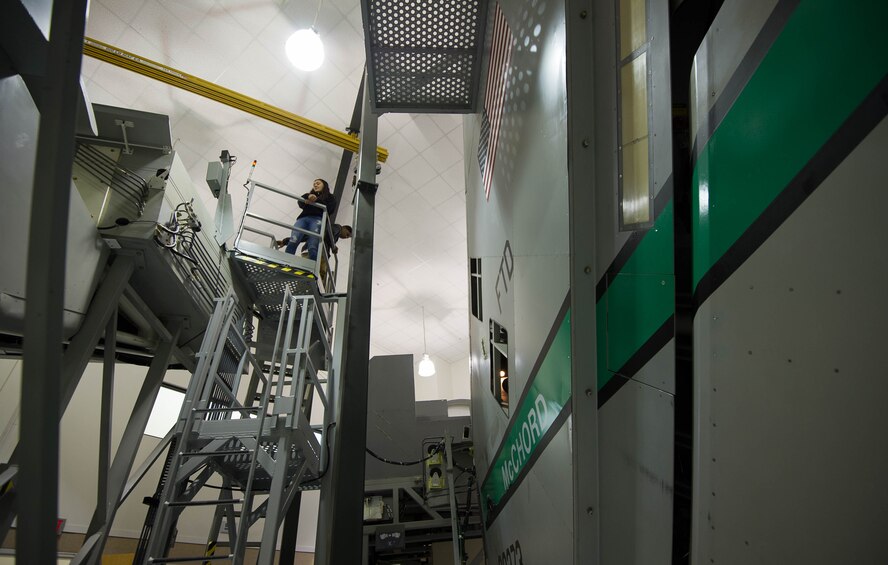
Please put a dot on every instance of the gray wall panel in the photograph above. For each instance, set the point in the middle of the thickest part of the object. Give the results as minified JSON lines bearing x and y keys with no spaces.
{"x":792,"y":451}
{"x":636,"y":476}
{"x":659,"y":372}
{"x":85,"y":254}
{"x":734,"y":29}
{"x":539,"y":513}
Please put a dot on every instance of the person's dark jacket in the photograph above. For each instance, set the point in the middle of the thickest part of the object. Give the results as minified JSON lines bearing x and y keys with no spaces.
{"x":326,"y":199}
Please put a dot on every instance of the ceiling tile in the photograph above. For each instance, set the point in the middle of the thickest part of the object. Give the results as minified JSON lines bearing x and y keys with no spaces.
{"x":291,"y":93}
{"x":453,"y":209}
{"x":191,"y":12}
{"x":251,"y":14}
{"x":421,"y":131}
{"x":447,"y":122}
{"x":126,"y":87}
{"x":344,"y":47}
{"x":126,"y":10}
{"x":99,"y":95}
{"x":224,"y":34}
{"x":400,"y":151}
{"x":417,"y":171}
{"x":456,"y":136}
{"x":257,"y":68}
{"x":356,"y":19}
{"x":132,"y":41}
{"x":160,"y":25}
{"x":442,"y":155}
{"x":274,"y":38}
{"x":88,"y":67}
{"x":454,"y":176}
{"x":297,"y":144}
{"x":103,"y":25}
{"x":323,"y":114}
{"x":435,"y":191}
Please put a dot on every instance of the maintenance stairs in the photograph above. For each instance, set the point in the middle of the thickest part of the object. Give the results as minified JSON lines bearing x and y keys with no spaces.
{"x":257,"y":410}
{"x":264,"y":437}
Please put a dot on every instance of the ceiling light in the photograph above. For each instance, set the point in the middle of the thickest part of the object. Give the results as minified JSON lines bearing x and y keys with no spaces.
{"x":305,"y":49}
{"x":426,"y":366}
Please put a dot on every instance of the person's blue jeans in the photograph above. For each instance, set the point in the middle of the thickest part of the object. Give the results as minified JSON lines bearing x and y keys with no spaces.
{"x":310,"y":223}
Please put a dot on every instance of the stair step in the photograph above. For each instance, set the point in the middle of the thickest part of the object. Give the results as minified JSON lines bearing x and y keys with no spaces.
{"x":206,"y":502}
{"x":190,"y":559}
{"x":216,"y":453}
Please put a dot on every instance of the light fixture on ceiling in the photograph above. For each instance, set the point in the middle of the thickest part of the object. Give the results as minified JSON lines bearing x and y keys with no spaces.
{"x":304,"y":48}
{"x":426,"y":366}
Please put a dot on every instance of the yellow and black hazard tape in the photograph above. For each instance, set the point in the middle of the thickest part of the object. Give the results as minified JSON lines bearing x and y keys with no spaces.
{"x":282,"y":268}
{"x":210,"y":552}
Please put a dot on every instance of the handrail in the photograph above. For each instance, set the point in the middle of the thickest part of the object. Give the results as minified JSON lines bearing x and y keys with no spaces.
{"x":326,"y":262}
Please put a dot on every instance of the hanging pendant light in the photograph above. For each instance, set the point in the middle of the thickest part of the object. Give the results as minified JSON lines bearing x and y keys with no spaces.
{"x":304,"y":48}
{"x":426,"y":365}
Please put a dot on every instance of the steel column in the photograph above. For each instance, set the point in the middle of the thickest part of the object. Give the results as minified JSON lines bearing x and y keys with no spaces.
{"x":101,"y":308}
{"x":39,"y":459}
{"x":346,"y":161}
{"x":275,"y":497}
{"x":581,"y":195}
{"x":129,"y":446}
{"x":451,"y":495}
{"x":347,"y":482}
{"x":105,"y":415}
{"x":287,"y":555}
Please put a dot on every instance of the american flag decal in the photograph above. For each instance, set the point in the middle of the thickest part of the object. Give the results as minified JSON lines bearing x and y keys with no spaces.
{"x":494,"y":100}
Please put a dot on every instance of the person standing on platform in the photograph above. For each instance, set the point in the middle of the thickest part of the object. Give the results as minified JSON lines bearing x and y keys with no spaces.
{"x":310,"y":218}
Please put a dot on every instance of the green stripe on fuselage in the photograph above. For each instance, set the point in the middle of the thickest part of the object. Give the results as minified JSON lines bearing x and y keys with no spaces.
{"x":828,"y":58}
{"x":638,"y":299}
{"x":549,"y":392}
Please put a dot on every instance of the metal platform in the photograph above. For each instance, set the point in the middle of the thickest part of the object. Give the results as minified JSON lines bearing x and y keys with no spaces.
{"x":424,"y":56}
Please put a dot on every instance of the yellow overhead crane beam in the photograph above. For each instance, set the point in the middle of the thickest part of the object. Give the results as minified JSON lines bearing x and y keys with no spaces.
{"x":126,"y":60}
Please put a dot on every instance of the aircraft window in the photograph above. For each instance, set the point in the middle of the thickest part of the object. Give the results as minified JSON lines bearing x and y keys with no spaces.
{"x":635,"y":189}
{"x":499,"y":364}
{"x":475,"y":285}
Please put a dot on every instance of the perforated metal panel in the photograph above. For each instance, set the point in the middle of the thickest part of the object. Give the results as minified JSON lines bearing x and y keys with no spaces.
{"x":266,"y":282}
{"x":425,"y":55}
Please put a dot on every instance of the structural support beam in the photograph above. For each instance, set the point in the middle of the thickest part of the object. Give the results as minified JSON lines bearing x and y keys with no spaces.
{"x":101,"y":309}
{"x":347,"y":484}
{"x":454,"y":509}
{"x":126,"y":454}
{"x":345,"y":163}
{"x":106,"y":413}
{"x":287,"y":555}
{"x":158,"y":71}
{"x":39,"y":460}
{"x":581,"y":195}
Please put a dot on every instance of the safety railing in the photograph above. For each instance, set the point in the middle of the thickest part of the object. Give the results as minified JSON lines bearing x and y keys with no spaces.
{"x":326,"y":264}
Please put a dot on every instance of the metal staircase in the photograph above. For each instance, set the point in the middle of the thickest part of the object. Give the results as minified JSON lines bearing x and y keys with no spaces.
{"x":255,"y":435}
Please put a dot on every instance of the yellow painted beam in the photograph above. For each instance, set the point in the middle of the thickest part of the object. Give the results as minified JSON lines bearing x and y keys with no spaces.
{"x":158,"y":71}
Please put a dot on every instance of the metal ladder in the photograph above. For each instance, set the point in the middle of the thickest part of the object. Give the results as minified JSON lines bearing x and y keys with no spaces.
{"x":262,"y":443}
